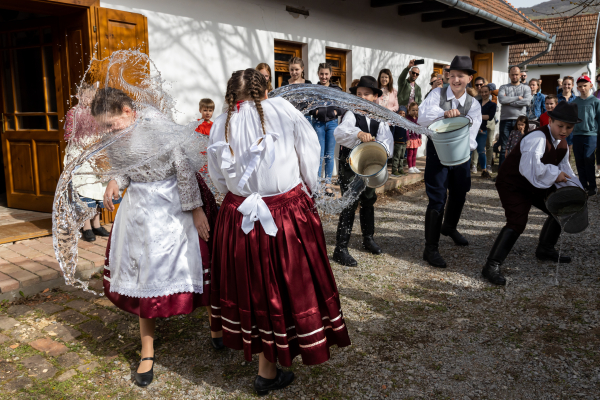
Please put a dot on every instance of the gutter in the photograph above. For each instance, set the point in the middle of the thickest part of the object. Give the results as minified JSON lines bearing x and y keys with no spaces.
{"x":459,"y":5}
{"x":560,"y":64}
{"x":543,"y":53}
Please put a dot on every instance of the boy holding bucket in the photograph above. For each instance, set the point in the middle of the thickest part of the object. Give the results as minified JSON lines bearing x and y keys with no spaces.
{"x":442,"y":181}
{"x":525,"y":179}
{"x":354,"y":130}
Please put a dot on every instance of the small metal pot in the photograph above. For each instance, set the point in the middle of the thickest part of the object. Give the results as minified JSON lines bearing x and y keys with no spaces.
{"x":369,"y":161}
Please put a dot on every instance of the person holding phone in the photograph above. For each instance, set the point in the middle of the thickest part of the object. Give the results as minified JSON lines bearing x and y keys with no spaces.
{"x":408,"y":90}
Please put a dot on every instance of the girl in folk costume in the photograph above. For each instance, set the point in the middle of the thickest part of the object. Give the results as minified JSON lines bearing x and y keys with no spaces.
{"x":156,"y":266}
{"x":443,"y":182}
{"x":531,"y":170}
{"x":273,"y":291}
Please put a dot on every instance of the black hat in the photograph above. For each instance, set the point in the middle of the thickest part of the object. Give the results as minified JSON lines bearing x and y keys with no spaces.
{"x":565,"y":112}
{"x":367,"y":82}
{"x":463,"y":63}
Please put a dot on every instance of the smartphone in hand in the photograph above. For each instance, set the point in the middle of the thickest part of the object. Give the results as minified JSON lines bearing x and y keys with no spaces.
{"x":419,"y":62}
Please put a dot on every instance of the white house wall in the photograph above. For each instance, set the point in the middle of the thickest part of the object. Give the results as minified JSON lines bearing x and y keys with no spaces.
{"x":566,"y":70}
{"x":197,"y":44}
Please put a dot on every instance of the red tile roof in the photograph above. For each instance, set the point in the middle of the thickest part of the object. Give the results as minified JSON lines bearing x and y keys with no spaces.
{"x":575,"y":38}
{"x":505,"y":10}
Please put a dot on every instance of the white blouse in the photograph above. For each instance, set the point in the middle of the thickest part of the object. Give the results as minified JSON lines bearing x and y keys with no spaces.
{"x":263,"y":165}
{"x":531,"y":167}
{"x":346,"y":133}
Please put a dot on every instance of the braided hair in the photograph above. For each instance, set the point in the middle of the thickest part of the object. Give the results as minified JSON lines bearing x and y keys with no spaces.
{"x":248,"y":84}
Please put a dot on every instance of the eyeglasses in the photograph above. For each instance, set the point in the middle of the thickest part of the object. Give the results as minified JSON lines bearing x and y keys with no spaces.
{"x":414,"y":73}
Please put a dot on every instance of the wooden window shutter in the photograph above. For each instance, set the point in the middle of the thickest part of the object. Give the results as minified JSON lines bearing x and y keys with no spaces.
{"x":120,"y":30}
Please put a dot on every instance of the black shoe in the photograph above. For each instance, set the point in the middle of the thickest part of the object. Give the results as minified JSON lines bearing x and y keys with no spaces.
{"x":264,"y":386}
{"x":433,"y":257}
{"x":452,"y":214}
{"x":455,"y":235}
{"x":485,"y":174}
{"x":548,"y":238}
{"x":370,"y":245}
{"x":88,"y":236}
{"x":343,"y":257}
{"x":592,"y":192}
{"x":101,"y":232}
{"x":491,"y":272}
{"x":433,"y":226}
{"x":217,"y":343}
{"x":145,"y":378}
{"x":504,"y":243}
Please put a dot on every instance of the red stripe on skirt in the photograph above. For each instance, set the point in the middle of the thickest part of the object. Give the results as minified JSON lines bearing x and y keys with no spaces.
{"x":276,"y":295}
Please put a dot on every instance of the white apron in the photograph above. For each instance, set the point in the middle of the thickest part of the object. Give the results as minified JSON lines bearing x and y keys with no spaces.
{"x":154,"y":248}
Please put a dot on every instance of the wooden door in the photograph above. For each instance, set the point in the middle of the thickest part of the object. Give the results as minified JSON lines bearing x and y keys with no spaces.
{"x":483,"y":63}
{"x":549,"y":84}
{"x":31,"y":102}
{"x":120,"y":30}
{"x":337,"y":60}
{"x":438,"y":69}
{"x":284,"y":52}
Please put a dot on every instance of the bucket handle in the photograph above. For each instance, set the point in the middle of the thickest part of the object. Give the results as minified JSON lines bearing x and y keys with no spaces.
{"x":378,"y":141}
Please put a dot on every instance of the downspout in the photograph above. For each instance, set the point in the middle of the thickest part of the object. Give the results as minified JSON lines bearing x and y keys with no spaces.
{"x":459,"y":5}
{"x":543,"y":53}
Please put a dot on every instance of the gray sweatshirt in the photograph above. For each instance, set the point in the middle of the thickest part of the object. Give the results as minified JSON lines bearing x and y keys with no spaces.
{"x":508,"y":97}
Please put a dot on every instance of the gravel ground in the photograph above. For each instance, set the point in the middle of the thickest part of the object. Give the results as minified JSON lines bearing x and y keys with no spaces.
{"x":417,"y":332}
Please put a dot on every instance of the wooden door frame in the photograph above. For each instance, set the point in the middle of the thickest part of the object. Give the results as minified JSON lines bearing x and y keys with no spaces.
{"x":341,"y":72}
{"x":294,"y":49}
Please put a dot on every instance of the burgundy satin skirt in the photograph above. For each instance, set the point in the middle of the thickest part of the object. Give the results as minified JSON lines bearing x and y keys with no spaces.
{"x":276,"y":295}
{"x":178,"y":303}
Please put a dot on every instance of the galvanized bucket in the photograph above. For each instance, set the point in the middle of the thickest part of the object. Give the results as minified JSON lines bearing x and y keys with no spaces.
{"x":451,"y":140}
{"x":569,"y":206}
{"x":369,"y":161}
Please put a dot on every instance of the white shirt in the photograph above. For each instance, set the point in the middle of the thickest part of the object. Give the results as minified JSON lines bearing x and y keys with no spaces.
{"x":531,"y":167}
{"x":430,"y":110}
{"x":287,"y":155}
{"x":346,"y":133}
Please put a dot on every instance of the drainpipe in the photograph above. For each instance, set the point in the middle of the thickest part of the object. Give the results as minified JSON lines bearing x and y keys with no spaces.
{"x":543,"y":53}
{"x":459,"y":5}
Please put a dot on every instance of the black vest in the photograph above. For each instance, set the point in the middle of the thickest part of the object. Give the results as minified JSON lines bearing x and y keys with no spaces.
{"x":361,"y":122}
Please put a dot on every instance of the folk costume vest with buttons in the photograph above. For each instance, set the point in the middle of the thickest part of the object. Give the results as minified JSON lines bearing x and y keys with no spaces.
{"x":361,"y":122}
{"x":446,"y":104}
{"x":509,"y":174}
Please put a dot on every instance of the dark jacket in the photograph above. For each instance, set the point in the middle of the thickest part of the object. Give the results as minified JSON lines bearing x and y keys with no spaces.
{"x":400,"y":134}
{"x":327,"y":114}
{"x":404,"y":89}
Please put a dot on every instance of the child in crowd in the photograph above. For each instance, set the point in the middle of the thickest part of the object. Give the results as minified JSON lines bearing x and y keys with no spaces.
{"x":521,"y":129}
{"x":400,"y":138}
{"x":414,"y":140}
{"x":80,"y":130}
{"x":207,"y":107}
{"x":273,"y":290}
{"x":551,"y":102}
{"x":585,"y":134}
{"x":157,"y":259}
{"x":527,"y":176}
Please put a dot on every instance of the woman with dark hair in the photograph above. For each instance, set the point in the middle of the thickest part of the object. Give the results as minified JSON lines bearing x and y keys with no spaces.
{"x":389,"y":98}
{"x":568,"y":95}
{"x":324,"y":122}
{"x":296,"y":70}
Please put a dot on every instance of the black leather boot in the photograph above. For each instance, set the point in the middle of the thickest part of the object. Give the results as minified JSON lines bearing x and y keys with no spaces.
{"x":367,"y":226}
{"x":504,"y":243}
{"x":451,"y":217}
{"x":433,"y":225}
{"x":344,"y":231}
{"x":263,"y":386}
{"x":548,"y":238}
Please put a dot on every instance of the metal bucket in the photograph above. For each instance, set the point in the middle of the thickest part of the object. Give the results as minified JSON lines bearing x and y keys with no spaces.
{"x":451,"y":140}
{"x":569,"y":206}
{"x":369,"y":161}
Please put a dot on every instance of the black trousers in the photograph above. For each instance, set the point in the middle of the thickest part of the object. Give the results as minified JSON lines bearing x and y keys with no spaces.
{"x":366,"y":199}
{"x":442,"y":181}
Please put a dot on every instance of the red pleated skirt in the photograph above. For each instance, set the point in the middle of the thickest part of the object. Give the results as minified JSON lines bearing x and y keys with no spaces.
{"x":276,"y":295}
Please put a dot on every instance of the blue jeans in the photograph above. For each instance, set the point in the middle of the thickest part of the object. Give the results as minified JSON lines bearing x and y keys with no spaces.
{"x":506,"y":126}
{"x":583,"y":149}
{"x":481,"y":140}
{"x":327,"y":141}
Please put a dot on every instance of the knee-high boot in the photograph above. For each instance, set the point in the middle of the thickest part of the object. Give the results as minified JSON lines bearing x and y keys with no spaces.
{"x":433,"y":225}
{"x":548,"y":238}
{"x":451,"y":217}
{"x":344,"y":231}
{"x":504,"y":243}
{"x":367,"y":226}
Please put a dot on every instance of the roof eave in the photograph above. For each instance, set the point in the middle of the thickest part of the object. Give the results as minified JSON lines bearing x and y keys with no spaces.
{"x":457,"y":4}
{"x":562,"y":64}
